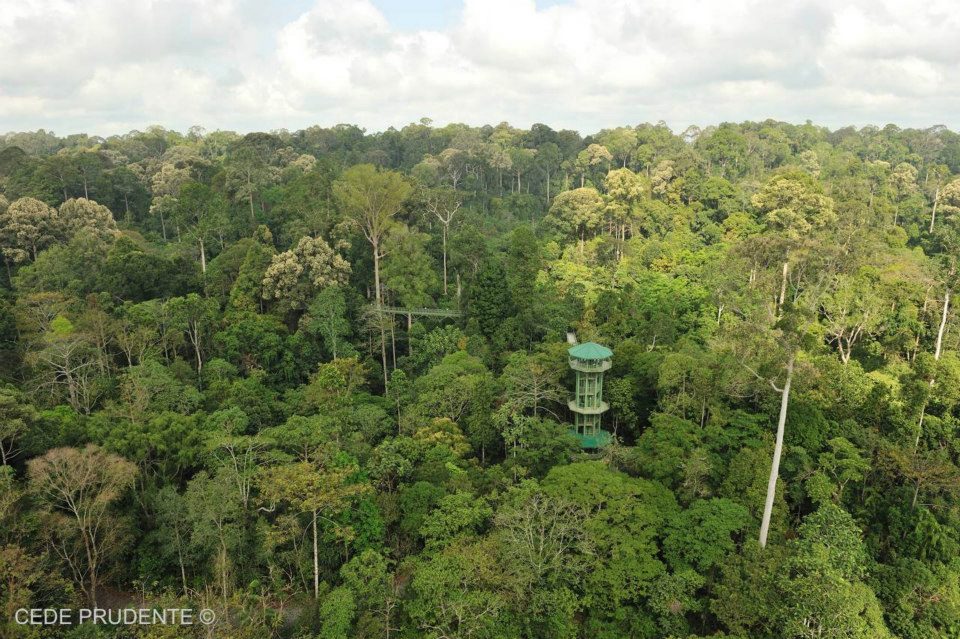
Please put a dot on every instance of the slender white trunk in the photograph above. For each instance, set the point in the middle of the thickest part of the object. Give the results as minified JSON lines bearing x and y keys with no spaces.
{"x":943,"y":325}
{"x":783,"y":287}
{"x":445,"y":227}
{"x":183,"y":570}
{"x":316,"y":560}
{"x":936,"y":357}
{"x":777,"y":451}
{"x":376,"y":273}
{"x":383,"y":352}
{"x":933,"y":213}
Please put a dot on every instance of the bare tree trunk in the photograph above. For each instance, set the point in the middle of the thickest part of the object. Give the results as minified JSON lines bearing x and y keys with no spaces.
{"x":316,"y":560}
{"x":183,"y":570}
{"x":253,"y":218}
{"x":933,"y":213}
{"x":376,"y":273}
{"x":938,"y":349}
{"x":88,"y":543}
{"x":196,"y":348}
{"x":203,"y":259}
{"x":393,"y":341}
{"x":383,"y":352}
{"x":223,"y":571}
{"x":943,"y":325}
{"x":445,"y":227}
{"x":783,"y":287}
{"x":777,"y":451}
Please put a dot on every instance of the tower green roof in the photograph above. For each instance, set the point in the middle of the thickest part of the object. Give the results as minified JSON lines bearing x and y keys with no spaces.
{"x":590,"y":350}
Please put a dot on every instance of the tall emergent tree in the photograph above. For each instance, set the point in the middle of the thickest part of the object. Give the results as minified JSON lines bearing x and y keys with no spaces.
{"x":370,"y":199}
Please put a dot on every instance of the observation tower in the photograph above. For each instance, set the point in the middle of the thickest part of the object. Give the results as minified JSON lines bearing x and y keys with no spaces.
{"x":589,"y":361}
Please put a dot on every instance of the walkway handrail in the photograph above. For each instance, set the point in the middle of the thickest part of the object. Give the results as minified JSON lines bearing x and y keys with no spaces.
{"x":432,"y":312}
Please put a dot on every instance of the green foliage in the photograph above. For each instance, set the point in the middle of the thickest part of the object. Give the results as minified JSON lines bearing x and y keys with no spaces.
{"x":704,"y":534}
{"x":191,"y":406}
{"x":489,"y":298}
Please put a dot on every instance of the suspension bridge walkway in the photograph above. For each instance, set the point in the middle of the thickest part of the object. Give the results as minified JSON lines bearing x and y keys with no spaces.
{"x":427,"y":312}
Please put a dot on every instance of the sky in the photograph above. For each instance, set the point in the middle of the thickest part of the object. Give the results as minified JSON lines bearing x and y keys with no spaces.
{"x":106,"y":67}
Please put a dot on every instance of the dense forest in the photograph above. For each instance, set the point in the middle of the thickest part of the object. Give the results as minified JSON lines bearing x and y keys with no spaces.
{"x":205,"y":403}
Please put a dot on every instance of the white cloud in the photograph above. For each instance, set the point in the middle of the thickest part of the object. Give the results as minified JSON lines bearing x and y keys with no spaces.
{"x":105,"y":67}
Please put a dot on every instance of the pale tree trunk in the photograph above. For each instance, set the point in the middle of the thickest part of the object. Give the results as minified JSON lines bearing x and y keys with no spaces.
{"x":383,"y":352}
{"x":938,"y":349}
{"x":223,"y":571}
{"x":196,"y":350}
{"x":777,"y":451}
{"x":393,"y":341}
{"x":183,"y":570}
{"x":933,"y":213}
{"x":88,"y":543}
{"x":783,"y":287}
{"x":445,"y":227}
{"x":943,"y":325}
{"x":253,"y":217}
{"x":376,"y":273}
{"x":203,"y":259}
{"x":316,"y":560}
{"x":376,"y":294}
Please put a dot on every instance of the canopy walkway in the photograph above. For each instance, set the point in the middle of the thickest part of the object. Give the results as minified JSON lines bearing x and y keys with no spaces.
{"x":429,"y":312}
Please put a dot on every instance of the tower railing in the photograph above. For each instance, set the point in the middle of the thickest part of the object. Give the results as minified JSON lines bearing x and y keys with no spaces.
{"x":590,"y":365}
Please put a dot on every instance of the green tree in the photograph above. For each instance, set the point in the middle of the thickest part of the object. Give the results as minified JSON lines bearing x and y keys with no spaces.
{"x":576,"y":214}
{"x":826,"y":596}
{"x":17,"y":417}
{"x":202,"y":211}
{"x":319,"y":488}
{"x":370,"y":199}
{"x":216,"y":518}
{"x":195,"y":317}
{"x":489,"y":298}
{"x":326,"y":316}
